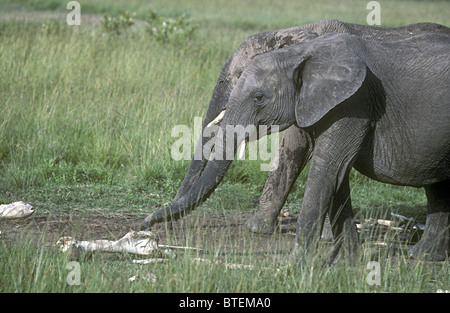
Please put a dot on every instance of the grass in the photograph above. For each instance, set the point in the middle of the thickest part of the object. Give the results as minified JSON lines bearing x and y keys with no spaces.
{"x":31,"y":266}
{"x":85,"y":122}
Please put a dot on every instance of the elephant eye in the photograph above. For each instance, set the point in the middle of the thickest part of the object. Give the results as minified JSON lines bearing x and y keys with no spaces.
{"x":259,"y":97}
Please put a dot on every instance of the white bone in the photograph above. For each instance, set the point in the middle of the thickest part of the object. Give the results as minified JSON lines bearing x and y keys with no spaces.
{"x":142,"y":243}
{"x":180,"y":248}
{"x":150,"y":261}
{"x":150,"y":277}
{"x":15,"y":210}
{"x":218,"y":119}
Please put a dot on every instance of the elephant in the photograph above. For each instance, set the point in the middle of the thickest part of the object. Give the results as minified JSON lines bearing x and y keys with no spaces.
{"x":379,"y":107}
{"x":294,"y":142}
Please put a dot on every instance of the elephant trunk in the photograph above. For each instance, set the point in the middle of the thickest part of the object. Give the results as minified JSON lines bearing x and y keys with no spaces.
{"x":210,"y":177}
{"x":217,"y":104}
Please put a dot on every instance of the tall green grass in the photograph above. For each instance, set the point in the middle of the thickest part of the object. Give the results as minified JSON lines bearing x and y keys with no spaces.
{"x":79,"y":105}
{"x":31,"y":265}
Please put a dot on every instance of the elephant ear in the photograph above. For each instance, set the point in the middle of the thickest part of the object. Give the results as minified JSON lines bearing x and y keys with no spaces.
{"x":327,"y":73}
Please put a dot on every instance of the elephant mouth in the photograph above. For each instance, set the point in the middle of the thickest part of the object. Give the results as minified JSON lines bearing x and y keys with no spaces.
{"x":242,"y":135}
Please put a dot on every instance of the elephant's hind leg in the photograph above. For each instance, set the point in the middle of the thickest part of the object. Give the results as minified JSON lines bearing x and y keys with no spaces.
{"x":434,"y":244}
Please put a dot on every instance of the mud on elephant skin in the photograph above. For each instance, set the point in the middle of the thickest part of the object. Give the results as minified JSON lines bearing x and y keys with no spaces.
{"x":351,"y":97}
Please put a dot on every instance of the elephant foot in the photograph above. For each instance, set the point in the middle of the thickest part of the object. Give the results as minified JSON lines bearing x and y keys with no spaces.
{"x":297,"y":256}
{"x":429,"y":250}
{"x":328,"y":249}
{"x":311,"y":255}
{"x":261,"y":224}
{"x":434,"y":244}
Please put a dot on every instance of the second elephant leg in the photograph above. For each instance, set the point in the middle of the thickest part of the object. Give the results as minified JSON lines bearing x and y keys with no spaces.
{"x":435,"y":242}
{"x":294,"y":152}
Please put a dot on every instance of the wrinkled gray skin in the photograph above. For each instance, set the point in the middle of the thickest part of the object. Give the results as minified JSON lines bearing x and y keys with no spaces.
{"x":382,"y":108}
{"x":295,"y":148}
{"x":300,"y":145}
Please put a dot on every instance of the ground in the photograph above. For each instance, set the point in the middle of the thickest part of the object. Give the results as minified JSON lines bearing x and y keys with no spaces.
{"x":222,"y":233}
{"x":217,"y":233}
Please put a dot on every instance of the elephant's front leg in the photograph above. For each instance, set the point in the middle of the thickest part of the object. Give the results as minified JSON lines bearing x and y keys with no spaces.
{"x":294,"y":152}
{"x":342,"y":223}
{"x":327,"y":188}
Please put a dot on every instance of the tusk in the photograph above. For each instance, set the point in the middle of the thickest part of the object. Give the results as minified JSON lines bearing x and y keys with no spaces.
{"x":242,"y":150}
{"x":218,"y":119}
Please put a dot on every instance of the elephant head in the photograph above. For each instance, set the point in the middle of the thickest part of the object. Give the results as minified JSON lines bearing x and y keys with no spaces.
{"x":298,"y":84}
{"x":229,"y":75}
